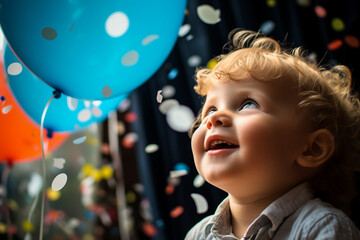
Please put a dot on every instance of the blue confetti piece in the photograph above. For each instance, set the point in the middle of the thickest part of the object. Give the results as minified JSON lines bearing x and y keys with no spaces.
{"x":173,"y":73}
{"x":79,"y":140}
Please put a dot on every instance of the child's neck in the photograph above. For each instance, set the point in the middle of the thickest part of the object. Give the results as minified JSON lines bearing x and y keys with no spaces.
{"x":243,"y":214}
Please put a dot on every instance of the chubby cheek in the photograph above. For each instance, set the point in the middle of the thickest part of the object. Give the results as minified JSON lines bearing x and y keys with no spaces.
{"x":197,"y":146}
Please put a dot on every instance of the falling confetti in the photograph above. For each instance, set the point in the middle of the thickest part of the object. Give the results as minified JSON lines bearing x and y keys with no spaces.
{"x":159,"y":97}
{"x":170,"y":188}
{"x":194,"y":61}
{"x":14,"y":69}
{"x":320,"y":11}
{"x":184,"y":29}
{"x":173,"y":73}
{"x":107,"y":172}
{"x":117,"y":24}
{"x":352,"y":41}
{"x":106,"y":91}
{"x":208,"y":14}
{"x":80,"y":140}
{"x":303,"y":3}
{"x":149,"y":229}
{"x":96,"y":112}
{"x":53,"y":195}
{"x":177,"y":211}
{"x":149,"y":39}
{"x":168,"y":104}
{"x":271,"y":3}
{"x":337,"y":24}
{"x":6,"y":109}
{"x":72,"y":103}
{"x":130,"y":197}
{"x":182,"y":166}
{"x":130,"y":117}
{"x":180,"y":118}
{"x":335,"y":44}
{"x":27,"y":226}
{"x":198,"y":181}
{"x":59,"y":182}
{"x":35,"y":184}
{"x":212,"y":63}
{"x":3,"y":228}
{"x":178,"y":173}
{"x":151,"y":148}
{"x":189,"y":37}
{"x":200,"y":202}
{"x":130,"y":58}
{"x":49,"y":33}
{"x":124,"y":105}
{"x":267,"y":27}
{"x":59,"y":163}
{"x":84,"y":115}
{"x":168,"y":91}
{"x":130,"y":139}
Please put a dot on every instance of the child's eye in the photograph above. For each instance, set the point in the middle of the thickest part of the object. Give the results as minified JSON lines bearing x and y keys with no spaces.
{"x":209,"y":111}
{"x":249,"y":104}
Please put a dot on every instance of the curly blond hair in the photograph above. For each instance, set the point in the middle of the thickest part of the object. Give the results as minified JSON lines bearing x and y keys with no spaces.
{"x":324,"y":94}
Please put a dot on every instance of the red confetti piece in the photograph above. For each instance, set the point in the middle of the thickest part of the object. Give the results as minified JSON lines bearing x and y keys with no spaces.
{"x":169,"y":189}
{"x":320,"y":11}
{"x":130,"y":117}
{"x":334,"y":45}
{"x":352,"y":41}
{"x":176,"y":212}
{"x":149,"y":229}
{"x":105,"y":148}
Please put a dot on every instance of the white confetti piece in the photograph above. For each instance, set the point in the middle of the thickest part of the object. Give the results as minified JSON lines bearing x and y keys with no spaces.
{"x":96,"y":112}
{"x":178,"y":173}
{"x":149,"y":39}
{"x":189,"y":37}
{"x":59,"y":182}
{"x":168,"y":91}
{"x":6,"y":109}
{"x":79,"y":140}
{"x":35,"y":184}
{"x":27,"y":236}
{"x":117,"y":24}
{"x":194,"y":61}
{"x":208,"y":14}
{"x":166,"y":105}
{"x":180,"y":118}
{"x":267,"y":27}
{"x":84,"y":115}
{"x":151,"y":148}
{"x":14,"y":68}
{"x":200,"y":202}
{"x":124,"y":105}
{"x":130,"y":58}
{"x":96,"y":103}
{"x":159,"y":97}
{"x":72,"y":103}
{"x":198,"y":181}
{"x":59,"y":163}
{"x":184,"y":29}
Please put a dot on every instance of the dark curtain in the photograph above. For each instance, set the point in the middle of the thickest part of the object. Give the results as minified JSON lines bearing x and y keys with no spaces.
{"x":295,"y":23}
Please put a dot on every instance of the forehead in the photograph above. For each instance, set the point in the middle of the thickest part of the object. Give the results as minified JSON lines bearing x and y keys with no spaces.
{"x":277,"y":90}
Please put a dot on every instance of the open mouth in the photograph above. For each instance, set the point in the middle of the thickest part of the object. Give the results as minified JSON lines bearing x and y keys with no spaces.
{"x":220,"y":144}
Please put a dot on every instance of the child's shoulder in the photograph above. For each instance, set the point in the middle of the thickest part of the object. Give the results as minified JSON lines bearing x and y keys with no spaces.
{"x":317,"y":218}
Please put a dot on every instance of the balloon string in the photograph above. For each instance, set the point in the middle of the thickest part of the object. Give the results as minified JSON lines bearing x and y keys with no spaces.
{"x":4,"y":179}
{"x":120,"y":186}
{"x":56,"y":94}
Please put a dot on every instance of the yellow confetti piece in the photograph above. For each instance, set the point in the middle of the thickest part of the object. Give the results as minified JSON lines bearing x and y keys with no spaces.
{"x":53,"y":195}
{"x":27,"y":226}
{"x":87,"y":169}
{"x":96,"y":174}
{"x":130,"y":197}
{"x":92,"y":141}
{"x":13,"y":205}
{"x":3,"y":228}
{"x":88,"y":237}
{"x":337,"y":24}
{"x":211,"y":64}
{"x":271,"y":3}
{"x":107,"y":172}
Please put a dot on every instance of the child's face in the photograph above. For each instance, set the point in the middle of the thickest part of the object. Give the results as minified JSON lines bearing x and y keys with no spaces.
{"x":250,"y":138}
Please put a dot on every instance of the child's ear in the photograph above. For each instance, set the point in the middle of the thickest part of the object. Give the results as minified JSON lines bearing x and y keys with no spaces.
{"x":319,"y":148}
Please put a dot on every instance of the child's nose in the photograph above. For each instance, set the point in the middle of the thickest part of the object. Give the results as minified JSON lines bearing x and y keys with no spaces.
{"x":218,"y":119}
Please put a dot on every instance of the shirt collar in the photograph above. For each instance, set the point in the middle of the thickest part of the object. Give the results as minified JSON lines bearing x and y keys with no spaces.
{"x":273,"y":215}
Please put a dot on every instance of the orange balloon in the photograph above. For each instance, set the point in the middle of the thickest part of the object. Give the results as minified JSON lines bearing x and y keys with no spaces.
{"x":20,"y":139}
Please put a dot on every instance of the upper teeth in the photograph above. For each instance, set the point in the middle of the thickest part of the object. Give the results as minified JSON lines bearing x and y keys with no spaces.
{"x":216,"y":142}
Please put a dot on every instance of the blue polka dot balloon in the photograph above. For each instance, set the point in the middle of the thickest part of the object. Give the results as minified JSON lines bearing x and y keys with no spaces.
{"x":91,"y":49}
